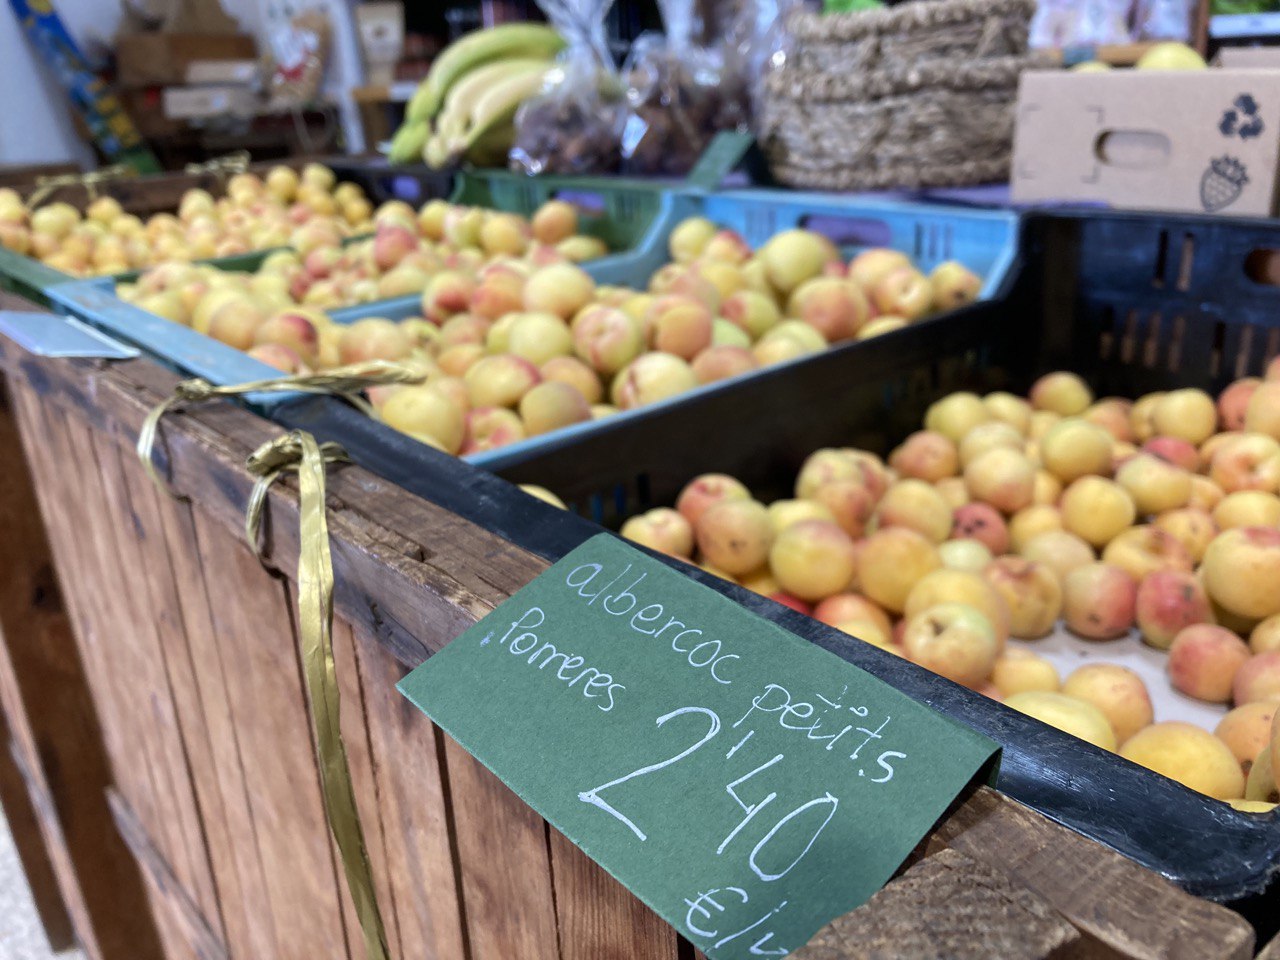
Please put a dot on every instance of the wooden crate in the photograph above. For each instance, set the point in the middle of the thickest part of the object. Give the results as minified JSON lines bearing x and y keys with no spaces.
{"x":189,"y":655}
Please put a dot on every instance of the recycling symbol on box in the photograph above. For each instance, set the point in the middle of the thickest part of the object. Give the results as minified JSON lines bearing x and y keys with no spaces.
{"x":1241,"y":119}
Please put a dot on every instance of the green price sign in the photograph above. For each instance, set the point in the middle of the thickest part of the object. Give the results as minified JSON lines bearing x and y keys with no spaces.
{"x":747,"y":785}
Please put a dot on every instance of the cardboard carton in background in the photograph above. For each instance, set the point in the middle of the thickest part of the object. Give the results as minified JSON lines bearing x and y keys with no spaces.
{"x":1202,"y":141}
{"x":162,"y":59}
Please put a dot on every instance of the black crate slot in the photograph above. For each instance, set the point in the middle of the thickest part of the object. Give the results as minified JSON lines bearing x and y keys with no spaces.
{"x":1186,"y":263}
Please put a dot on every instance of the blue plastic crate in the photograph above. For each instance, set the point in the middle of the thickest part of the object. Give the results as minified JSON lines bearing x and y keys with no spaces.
{"x":985,"y":241}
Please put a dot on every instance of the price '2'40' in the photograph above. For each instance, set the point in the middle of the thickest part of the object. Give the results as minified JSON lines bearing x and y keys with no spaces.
{"x":757,"y":859}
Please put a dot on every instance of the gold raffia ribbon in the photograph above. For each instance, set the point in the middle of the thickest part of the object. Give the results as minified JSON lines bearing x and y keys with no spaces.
{"x":345,"y":382}
{"x":237,"y":162}
{"x":45,"y":186}
{"x":298,"y":451}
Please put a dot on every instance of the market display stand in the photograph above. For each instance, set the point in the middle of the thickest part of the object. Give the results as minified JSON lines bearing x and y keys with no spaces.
{"x":187,"y":653}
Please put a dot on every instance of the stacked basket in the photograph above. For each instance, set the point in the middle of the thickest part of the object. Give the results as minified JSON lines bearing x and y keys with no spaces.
{"x":921,"y":94}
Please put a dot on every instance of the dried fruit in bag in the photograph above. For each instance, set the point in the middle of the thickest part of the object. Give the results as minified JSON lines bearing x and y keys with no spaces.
{"x":677,"y":96}
{"x":574,"y":126}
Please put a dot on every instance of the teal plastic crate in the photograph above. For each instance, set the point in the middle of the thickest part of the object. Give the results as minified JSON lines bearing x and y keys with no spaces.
{"x":985,"y":241}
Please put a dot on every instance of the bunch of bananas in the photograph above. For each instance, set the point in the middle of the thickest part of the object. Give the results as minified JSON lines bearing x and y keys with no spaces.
{"x":466,"y":107}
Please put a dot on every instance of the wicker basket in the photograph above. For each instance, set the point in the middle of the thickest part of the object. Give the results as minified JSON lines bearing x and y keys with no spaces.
{"x":918,"y":95}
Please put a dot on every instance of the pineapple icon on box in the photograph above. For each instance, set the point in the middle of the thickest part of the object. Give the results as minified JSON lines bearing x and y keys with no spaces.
{"x":1222,"y":183}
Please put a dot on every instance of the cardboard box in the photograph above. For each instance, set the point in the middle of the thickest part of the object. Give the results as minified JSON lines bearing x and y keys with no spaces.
{"x":1204,"y":141}
{"x":244,"y":72}
{"x":199,"y":103}
{"x":162,"y":59}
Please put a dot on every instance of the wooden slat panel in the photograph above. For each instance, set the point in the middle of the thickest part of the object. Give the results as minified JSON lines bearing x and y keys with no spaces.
{"x":419,"y":853}
{"x":599,"y":918}
{"x":506,"y":870}
{"x":118,"y":923}
{"x":253,"y":627}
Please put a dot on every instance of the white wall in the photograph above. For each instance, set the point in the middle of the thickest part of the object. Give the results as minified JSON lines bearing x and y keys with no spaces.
{"x":35,"y":116}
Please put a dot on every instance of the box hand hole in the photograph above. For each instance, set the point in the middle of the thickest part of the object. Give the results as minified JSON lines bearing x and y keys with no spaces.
{"x":1262,"y":266}
{"x":1132,"y":149}
{"x":848,"y":231}
{"x":586,"y":202}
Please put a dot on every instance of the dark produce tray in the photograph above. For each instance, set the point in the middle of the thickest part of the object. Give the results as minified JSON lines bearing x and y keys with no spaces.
{"x":1132,"y":302}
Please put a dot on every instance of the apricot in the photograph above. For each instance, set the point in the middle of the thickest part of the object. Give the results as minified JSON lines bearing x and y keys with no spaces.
{"x":1188,"y":414}
{"x":867,"y":631}
{"x":752,"y":312}
{"x":1241,"y":571}
{"x":954,"y":285}
{"x":722,"y":363}
{"x":926,"y":455}
{"x":456,"y":361}
{"x":680,"y":326}
{"x":988,"y":436}
{"x":1011,"y":409}
{"x":1112,"y":415}
{"x":1233,"y":403}
{"x":1204,"y":660}
{"x":1003,"y":478}
{"x":1030,"y":522}
{"x":235,"y":322}
{"x":1246,"y":731}
{"x":836,"y":308}
{"x":1031,"y":593}
{"x":373,"y":338}
{"x":1263,"y":413}
{"x":1245,"y":461}
{"x":424,"y":410}
{"x":1257,"y":679}
{"x":1153,"y":484}
{"x":955,"y":586}
{"x":981,"y":522}
{"x":1062,"y":393}
{"x":539,"y":337}
{"x":1194,"y":757}
{"x":561,"y":289}
{"x":1247,"y":508}
{"x":661,"y":529}
{"x":1098,"y":601}
{"x":953,"y":491}
{"x":903,"y":292}
{"x":890,"y":564}
{"x":725,"y":334}
{"x":498,"y":296}
{"x":1116,"y":691}
{"x":650,"y":378}
{"x":953,"y":640}
{"x":916,"y":504}
{"x":734,"y":535}
{"x":281,"y":357}
{"x":500,"y":381}
{"x":575,"y":373}
{"x":870,"y":266}
{"x":607,"y":338}
{"x":784,"y":513}
{"x":844,"y":607}
{"x":1021,"y":671}
{"x":956,"y":414}
{"x":794,"y":256}
{"x":813,"y":559}
{"x":1097,"y":510}
{"x":1145,"y":549}
{"x":971,"y":556}
{"x":1071,"y":715}
{"x":1074,"y":448}
{"x":550,"y":406}
{"x":850,"y":503}
{"x":1192,"y":527}
{"x":491,"y":427}
{"x":1169,"y":601}
{"x":1265,"y":636}
{"x":703,"y":491}
{"x":690,"y":238}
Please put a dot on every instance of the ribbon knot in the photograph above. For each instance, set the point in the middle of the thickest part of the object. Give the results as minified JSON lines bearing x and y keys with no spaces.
{"x":295,"y":451}
{"x":345,"y":382}
{"x":237,"y":162}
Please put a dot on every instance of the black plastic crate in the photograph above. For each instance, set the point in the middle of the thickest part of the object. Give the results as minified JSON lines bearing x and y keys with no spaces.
{"x":1131,"y":302}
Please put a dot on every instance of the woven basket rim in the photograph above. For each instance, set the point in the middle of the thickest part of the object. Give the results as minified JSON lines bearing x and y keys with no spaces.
{"x":905,"y":18}
{"x":815,"y":86}
{"x":907,"y":176}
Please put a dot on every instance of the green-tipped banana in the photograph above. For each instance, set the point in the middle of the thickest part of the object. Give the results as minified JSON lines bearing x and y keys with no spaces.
{"x":498,"y":105}
{"x":509,"y":40}
{"x":407,"y":144}
{"x":436,"y":153}
{"x":467,"y":92}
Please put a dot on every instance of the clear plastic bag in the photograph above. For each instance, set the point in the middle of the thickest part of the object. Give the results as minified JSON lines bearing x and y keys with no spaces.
{"x":575,"y":125}
{"x":1098,"y":22}
{"x":1164,"y":19}
{"x":676,"y":100}
{"x":756,"y":43}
